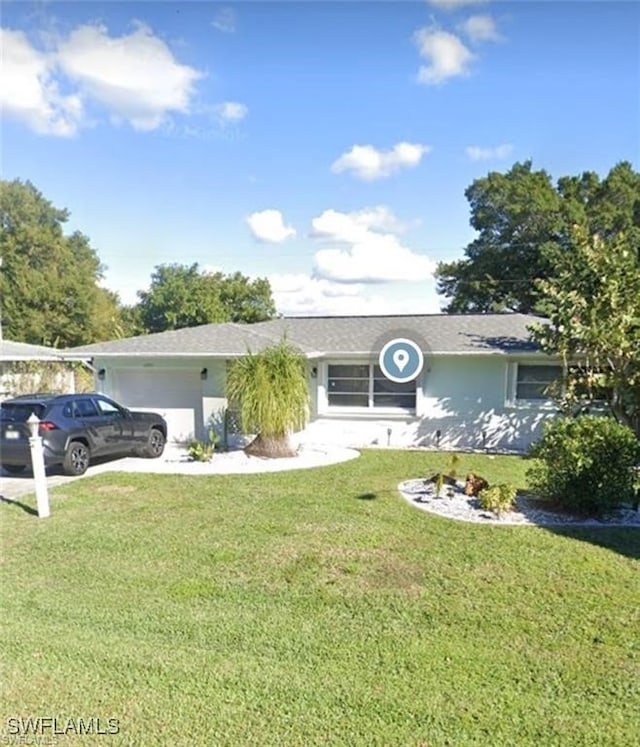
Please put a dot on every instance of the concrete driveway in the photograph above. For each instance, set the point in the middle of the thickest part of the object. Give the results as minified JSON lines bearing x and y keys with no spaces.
{"x":12,"y":486}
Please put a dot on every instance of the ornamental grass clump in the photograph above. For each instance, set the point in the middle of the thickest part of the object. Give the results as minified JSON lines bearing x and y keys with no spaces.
{"x":273,"y":395}
{"x":585,"y":465}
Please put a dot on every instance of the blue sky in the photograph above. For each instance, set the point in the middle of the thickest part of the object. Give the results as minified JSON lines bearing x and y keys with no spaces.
{"x":325,"y":145}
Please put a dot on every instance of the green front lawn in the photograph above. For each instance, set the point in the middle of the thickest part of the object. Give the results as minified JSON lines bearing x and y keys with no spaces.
{"x":316,"y":607}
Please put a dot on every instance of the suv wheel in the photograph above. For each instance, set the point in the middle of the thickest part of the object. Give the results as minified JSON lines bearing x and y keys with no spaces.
{"x":155,"y":444}
{"x":76,"y":459}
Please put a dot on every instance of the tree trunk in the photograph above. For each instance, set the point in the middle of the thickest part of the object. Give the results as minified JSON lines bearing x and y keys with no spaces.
{"x":273,"y":447}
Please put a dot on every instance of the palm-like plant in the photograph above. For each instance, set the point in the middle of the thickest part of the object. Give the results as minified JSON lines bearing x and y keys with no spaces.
{"x":271,"y":390}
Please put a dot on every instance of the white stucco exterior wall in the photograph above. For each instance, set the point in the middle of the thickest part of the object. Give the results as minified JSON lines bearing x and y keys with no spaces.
{"x":462,"y":402}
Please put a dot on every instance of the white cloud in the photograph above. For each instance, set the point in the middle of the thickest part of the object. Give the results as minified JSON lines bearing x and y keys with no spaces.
{"x":296,"y":294}
{"x":300,"y":294}
{"x":28,"y":91}
{"x":478,"y":153}
{"x":351,"y":227}
{"x":453,"y":4}
{"x":136,"y":76}
{"x":481,"y":28}
{"x":231,"y":111}
{"x":367,"y":163}
{"x":447,"y":55}
{"x":225,"y":20}
{"x":269,"y":226}
{"x":362,"y":248}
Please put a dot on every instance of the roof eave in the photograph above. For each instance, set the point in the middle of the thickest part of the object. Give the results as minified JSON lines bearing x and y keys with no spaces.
{"x":164,"y":354}
{"x":359,"y":353}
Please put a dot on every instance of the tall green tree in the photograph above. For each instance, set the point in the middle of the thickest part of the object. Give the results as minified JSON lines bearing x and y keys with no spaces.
{"x":49,"y":281}
{"x":592,"y":302}
{"x":183,"y":296}
{"x":179,"y":296}
{"x":132,"y":324}
{"x":524,"y":226}
{"x":245,"y":300}
{"x":273,"y":394}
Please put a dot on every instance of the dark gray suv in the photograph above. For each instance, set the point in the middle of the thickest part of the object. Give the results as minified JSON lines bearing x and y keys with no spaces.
{"x":75,"y":428}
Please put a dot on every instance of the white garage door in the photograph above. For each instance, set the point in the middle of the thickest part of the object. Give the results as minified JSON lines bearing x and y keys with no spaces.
{"x":176,"y":395}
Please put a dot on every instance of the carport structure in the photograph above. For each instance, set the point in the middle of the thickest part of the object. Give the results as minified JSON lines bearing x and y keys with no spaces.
{"x":13,"y":352}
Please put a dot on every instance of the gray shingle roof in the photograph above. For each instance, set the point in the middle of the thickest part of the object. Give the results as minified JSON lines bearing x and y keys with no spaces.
{"x":22,"y":351}
{"x":438,"y":333}
{"x":208,"y":339}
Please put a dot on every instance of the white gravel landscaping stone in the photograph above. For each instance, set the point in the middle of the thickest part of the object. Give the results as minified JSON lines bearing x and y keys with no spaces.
{"x":461,"y":507}
{"x":175,"y":460}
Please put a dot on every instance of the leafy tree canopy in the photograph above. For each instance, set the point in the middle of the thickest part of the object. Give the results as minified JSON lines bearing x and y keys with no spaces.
{"x":183,"y":296}
{"x":49,"y":281}
{"x":592,"y":301}
{"x":51,"y":293}
{"x":524,"y":226}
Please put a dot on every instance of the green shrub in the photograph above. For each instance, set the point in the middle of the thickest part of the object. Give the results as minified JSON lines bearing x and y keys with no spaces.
{"x":202,"y":451}
{"x":585,"y":464}
{"x":498,"y":498}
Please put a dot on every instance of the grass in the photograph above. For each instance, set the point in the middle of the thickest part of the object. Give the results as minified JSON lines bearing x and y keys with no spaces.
{"x":316,"y":608}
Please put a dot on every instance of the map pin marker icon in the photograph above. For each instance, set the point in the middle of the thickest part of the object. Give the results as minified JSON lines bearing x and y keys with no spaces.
{"x":401,"y":358}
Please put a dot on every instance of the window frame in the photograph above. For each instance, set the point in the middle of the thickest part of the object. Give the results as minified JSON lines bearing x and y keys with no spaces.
{"x":545,"y":402}
{"x":369,"y":408}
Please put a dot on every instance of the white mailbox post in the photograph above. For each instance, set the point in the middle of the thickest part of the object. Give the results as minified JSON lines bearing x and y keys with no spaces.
{"x":37,"y":462}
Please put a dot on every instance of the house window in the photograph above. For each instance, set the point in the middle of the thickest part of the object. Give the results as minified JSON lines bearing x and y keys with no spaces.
{"x":364,"y":385}
{"x":533,"y":382}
